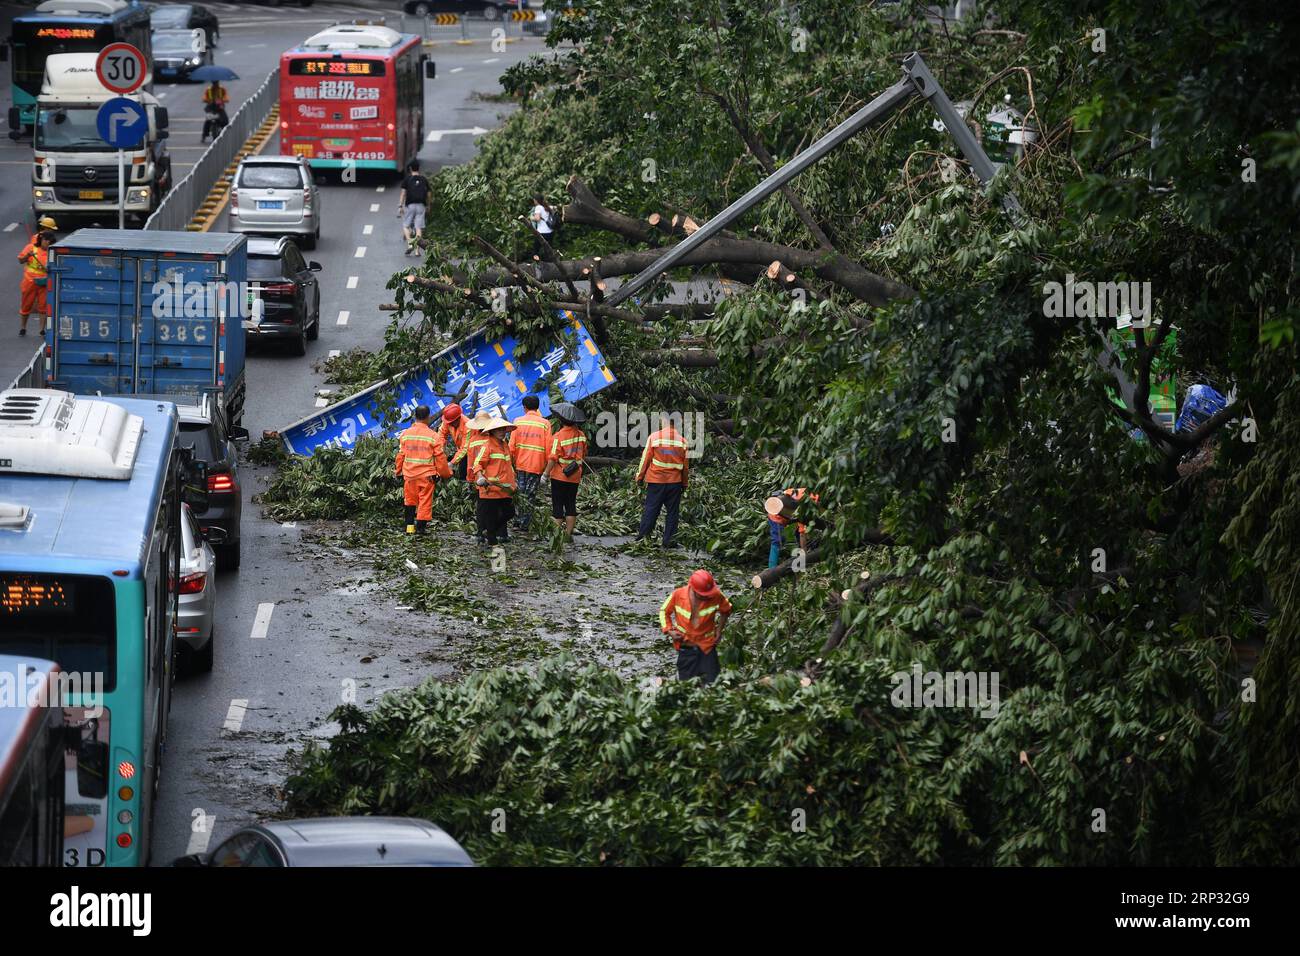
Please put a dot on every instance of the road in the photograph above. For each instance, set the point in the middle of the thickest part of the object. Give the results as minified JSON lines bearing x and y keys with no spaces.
{"x":291,"y":628}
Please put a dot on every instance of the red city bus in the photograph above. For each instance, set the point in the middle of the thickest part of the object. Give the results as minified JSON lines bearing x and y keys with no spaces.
{"x":353,"y":96}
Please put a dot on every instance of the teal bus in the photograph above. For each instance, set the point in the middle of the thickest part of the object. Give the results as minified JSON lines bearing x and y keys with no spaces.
{"x":90,"y":512}
{"x":66,"y":26}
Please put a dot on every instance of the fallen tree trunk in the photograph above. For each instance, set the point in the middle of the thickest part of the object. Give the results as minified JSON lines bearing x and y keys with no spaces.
{"x":769,"y":576}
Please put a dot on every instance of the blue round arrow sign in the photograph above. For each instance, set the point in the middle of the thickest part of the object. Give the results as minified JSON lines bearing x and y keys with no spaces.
{"x":122,"y":123}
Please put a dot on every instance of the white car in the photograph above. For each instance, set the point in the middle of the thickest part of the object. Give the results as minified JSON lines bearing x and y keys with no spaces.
{"x":198,"y":596}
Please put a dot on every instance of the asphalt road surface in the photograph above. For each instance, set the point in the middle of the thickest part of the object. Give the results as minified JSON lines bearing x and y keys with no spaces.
{"x":276,"y":677}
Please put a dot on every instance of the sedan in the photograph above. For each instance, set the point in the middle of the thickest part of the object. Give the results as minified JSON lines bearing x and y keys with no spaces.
{"x":185,"y":16}
{"x":197,"y":603}
{"x":490,"y":9}
{"x":336,"y":841}
{"x":175,"y":56}
{"x":289,"y":293}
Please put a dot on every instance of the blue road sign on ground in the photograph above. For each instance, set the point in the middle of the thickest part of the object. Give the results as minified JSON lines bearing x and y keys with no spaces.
{"x":487,"y":372}
{"x":122,"y":123}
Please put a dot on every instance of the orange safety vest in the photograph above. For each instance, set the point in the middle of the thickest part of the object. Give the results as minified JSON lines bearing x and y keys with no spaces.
{"x":797,"y":494}
{"x":664,"y":459}
{"x":420,"y":453}
{"x":528,"y":442}
{"x":221,"y":97}
{"x":34,"y":267}
{"x":456,"y":432}
{"x":492,"y":461}
{"x":701,"y":628}
{"x":568,"y":445}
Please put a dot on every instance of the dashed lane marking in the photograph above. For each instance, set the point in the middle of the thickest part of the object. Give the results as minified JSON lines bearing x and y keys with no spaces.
{"x":367,"y":229}
{"x":374,"y":207}
{"x":235,"y":716}
{"x":262,"y":622}
{"x":334,"y":353}
{"x":11,"y":227}
{"x":343,"y":317}
{"x":352,"y":281}
{"x":199,"y":838}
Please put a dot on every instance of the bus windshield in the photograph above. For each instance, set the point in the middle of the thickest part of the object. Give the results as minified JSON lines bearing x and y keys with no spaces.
{"x":69,"y":128}
{"x":33,"y":42}
{"x":68,"y":618}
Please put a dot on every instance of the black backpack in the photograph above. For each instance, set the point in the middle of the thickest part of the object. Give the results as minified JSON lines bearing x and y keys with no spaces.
{"x":417,"y":189}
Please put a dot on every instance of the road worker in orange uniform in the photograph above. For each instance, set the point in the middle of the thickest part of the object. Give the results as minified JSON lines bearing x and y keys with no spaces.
{"x":494,"y":477}
{"x":568,"y":452}
{"x":665,"y":471}
{"x":451,"y":431}
{"x":776,"y":522}
{"x":529,"y":444}
{"x":695,"y":615}
{"x":34,"y":259}
{"x":420,"y":462}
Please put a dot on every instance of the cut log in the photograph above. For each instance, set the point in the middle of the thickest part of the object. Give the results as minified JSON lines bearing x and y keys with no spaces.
{"x":770,"y":576}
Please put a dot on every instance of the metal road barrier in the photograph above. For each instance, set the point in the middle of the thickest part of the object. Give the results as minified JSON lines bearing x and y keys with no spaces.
{"x":33,"y":376}
{"x":179,"y":205}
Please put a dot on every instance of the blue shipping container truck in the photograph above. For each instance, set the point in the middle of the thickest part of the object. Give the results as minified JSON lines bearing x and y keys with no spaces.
{"x":149,"y":312}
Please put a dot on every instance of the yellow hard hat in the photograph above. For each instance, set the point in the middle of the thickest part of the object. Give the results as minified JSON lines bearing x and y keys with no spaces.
{"x":45,"y":222}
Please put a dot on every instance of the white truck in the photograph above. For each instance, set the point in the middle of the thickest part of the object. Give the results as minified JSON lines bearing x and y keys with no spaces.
{"x":75,"y":173}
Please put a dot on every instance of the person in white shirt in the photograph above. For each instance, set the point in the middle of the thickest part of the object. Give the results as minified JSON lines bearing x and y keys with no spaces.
{"x":544,"y":221}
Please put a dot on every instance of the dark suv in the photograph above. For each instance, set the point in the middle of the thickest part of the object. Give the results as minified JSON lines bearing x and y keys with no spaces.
{"x":204,"y":428}
{"x":290,"y":294}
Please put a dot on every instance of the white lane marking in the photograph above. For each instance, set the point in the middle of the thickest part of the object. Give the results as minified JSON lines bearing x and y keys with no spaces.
{"x":251,"y":46}
{"x":343,"y":317}
{"x":11,"y":227}
{"x":322,"y":402}
{"x":289,"y":524}
{"x":334,"y":353}
{"x":199,"y":838}
{"x":227,"y":52}
{"x":374,"y":207}
{"x":493,"y":59}
{"x":360,"y":253}
{"x":457,"y":69}
{"x":352,"y":281}
{"x":367,"y":229}
{"x":262,"y":622}
{"x":235,"y":715}
{"x":379,"y":189}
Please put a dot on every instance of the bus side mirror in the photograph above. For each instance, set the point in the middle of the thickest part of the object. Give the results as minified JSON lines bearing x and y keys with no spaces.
{"x":160,"y":118}
{"x":215,"y":535}
{"x":430,"y":70}
{"x":239,"y":433}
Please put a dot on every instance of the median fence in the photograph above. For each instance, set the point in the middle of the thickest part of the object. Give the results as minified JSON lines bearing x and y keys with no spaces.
{"x":178,"y":208}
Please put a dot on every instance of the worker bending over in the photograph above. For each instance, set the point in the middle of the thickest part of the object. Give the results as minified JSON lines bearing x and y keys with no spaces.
{"x":694,"y":615}
{"x":420,"y":462}
{"x":779,"y":509}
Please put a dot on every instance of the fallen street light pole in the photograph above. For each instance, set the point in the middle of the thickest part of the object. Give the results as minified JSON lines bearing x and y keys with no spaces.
{"x":917,"y":81}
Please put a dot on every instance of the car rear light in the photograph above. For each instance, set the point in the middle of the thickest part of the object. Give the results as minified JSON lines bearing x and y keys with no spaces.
{"x":234,"y":199}
{"x":280,"y":290}
{"x":306,"y":197}
{"x":193,"y":583}
{"x":220,"y":482}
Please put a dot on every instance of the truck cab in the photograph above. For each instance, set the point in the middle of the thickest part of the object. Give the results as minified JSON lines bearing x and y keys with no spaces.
{"x":74,"y":173}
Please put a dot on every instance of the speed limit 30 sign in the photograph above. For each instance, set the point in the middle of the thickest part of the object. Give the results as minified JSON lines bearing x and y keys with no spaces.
{"x":121,"y":68}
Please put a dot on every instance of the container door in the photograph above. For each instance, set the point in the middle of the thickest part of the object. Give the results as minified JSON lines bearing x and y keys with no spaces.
{"x":94,"y":315}
{"x":180,"y":302}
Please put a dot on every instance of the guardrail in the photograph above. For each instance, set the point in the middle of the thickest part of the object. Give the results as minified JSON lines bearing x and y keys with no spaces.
{"x":33,"y":376}
{"x":178,"y":207}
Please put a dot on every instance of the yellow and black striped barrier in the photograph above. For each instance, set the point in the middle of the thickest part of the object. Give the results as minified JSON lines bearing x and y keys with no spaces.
{"x":518,"y":15}
{"x":573,"y":12}
{"x":445,"y":19}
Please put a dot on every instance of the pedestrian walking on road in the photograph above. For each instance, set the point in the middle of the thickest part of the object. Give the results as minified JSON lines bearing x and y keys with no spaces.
{"x":421,"y":461}
{"x":32,"y":297}
{"x":528,"y":447}
{"x":545,"y":222}
{"x":694,"y":615}
{"x":665,"y":470}
{"x":494,"y":477}
{"x":411,"y":206}
{"x":567,"y":454}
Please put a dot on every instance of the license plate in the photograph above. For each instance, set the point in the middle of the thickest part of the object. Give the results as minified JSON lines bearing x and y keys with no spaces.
{"x":90,"y":194}
{"x":270,"y":204}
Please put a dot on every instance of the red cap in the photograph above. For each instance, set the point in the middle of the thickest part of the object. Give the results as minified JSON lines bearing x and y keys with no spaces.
{"x":702,"y":583}
{"x":451,"y":412}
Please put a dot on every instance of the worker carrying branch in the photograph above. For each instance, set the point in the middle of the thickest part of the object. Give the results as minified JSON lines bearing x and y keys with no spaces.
{"x":420,"y":462}
{"x":781,"y":508}
{"x":695,"y":615}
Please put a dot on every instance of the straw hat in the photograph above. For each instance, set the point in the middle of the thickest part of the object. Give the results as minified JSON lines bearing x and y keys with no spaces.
{"x":488,"y":422}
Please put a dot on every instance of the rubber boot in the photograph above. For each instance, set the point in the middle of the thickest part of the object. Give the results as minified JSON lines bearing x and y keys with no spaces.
{"x":421,"y":527}
{"x":773,"y":556}
{"x":410,"y":519}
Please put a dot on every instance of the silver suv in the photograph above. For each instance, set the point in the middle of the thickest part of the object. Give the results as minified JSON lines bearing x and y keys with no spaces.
{"x":276,"y":196}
